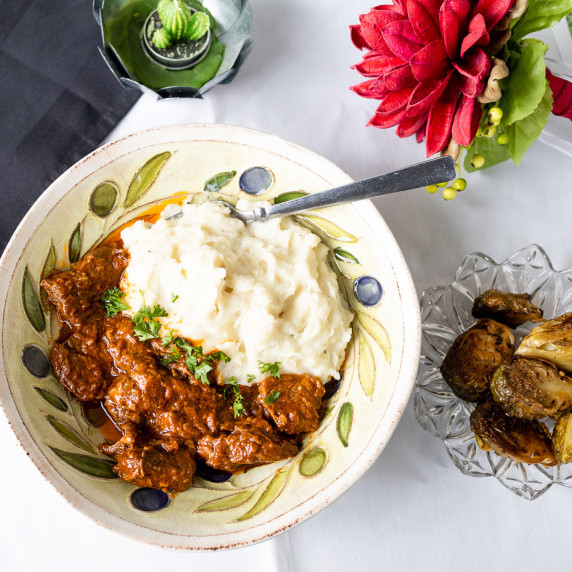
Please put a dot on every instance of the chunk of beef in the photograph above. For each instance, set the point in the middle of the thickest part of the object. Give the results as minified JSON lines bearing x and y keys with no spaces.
{"x":83,"y":375}
{"x":251,"y":443}
{"x":75,"y":293}
{"x":147,"y":463}
{"x":192,"y":409}
{"x":295,"y":410}
{"x":87,"y":340}
{"x":131,"y":397}
{"x":125,"y":349}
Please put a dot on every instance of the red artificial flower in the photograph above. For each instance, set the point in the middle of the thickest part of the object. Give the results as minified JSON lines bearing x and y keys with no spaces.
{"x":427,"y":62}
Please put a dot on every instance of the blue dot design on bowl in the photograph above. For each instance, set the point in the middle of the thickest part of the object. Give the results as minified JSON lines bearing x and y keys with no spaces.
{"x":331,"y":388}
{"x":149,"y":500}
{"x":211,"y":475}
{"x":256,"y":180}
{"x":35,"y":361}
{"x":367,"y":290}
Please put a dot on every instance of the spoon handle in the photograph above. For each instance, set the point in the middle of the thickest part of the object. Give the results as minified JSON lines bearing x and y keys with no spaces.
{"x":422,"y":174}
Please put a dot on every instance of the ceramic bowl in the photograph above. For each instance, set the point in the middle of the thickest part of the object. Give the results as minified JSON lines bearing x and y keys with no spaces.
{"x":446,"y":312}
{"x":119,"y":182}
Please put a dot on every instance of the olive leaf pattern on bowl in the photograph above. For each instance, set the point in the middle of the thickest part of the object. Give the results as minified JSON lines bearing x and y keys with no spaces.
{"x":76,"y":425}
{"x":446,"y":312}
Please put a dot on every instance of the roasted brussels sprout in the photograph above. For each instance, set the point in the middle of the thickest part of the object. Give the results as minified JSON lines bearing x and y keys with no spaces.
{"x":551,"y":341}
{"x":562,"y":439}
{"x":531,"y":388}
{"x":522,"y":440}
{"x":474,"y":356}
{"x":509,"y":309}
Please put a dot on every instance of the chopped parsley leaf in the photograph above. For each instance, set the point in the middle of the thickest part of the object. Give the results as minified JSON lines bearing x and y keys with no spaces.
{"x":192,"y":355}
{"x":201,"y":371}
{"x":111,"y":302}
{"x":219,"y":356}
{"x":170,"y":358}
{"x":272,"y":397}
{"x":186,"y":346}
{"x":272,"y":368}
{"x":168,"y":339}
{"x":237,"y":406}
{"x":250,"y":378}
{"x":145,"y":326}
{"x":191,"y":361}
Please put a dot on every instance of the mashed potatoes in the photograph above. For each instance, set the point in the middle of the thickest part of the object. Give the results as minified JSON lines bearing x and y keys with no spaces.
{"x":262,"y":291}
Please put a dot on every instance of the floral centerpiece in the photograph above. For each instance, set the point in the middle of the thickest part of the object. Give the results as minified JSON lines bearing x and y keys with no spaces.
{"x":462,"y":75}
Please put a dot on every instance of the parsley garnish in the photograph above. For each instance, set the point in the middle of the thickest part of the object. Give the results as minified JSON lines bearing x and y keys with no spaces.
{"x":168,"y":339}
{"x":174,"y":297}
{"x":219,"y":356}
{"x":111,"y":302}
{"x":170,"y":358}
{"x":237,"y":406}
{"x":192,"y":355}
{"x":272,"y":397}
{"x":272,"y":368}
{"x":145,"y":326}
{"x":201,"y":371}
{"x":250,"y":378}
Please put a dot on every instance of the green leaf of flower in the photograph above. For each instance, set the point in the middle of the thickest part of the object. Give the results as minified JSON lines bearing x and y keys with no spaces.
{"x":489,"y":149}
{"x":540,"y":14}
{"x":524,"y":132}
{"x":525,"y":86}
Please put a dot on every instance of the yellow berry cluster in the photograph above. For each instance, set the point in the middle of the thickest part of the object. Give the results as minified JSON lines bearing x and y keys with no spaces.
{"x":450,"y":191}
{"x":494,"y":117}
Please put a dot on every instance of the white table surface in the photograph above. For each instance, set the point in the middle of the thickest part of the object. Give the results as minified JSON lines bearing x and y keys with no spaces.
{"x":413,"y":509}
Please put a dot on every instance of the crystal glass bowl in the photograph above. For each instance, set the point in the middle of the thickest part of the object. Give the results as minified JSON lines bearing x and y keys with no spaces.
{"x":446,"y":312}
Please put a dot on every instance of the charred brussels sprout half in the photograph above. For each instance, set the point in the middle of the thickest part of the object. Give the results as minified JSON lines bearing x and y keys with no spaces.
{"x":562,"y":439}
{"x":522,"y":440}
{"x":551,"y":341}
{"x":474,"y":356}
{"x":531,"y":389}
{"x":510,"y":309}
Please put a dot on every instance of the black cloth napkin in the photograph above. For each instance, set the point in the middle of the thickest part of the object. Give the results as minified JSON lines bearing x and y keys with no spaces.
{"x":58,"y":99}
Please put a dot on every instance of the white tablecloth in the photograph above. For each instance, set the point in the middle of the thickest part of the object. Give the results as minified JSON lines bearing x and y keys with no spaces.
{"x":413,"y":509}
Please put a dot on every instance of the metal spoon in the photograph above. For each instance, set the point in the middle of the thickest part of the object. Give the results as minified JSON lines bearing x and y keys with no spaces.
{"x":420,"y":175}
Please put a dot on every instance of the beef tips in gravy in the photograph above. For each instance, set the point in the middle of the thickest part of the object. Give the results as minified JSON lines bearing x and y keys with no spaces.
{"x":168,"y":419}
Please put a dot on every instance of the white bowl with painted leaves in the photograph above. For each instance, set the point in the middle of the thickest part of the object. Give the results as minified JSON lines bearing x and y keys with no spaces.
{"x":120,"y":181}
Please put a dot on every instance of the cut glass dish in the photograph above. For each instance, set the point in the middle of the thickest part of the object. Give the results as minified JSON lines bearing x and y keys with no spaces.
{"x":446,"y":312}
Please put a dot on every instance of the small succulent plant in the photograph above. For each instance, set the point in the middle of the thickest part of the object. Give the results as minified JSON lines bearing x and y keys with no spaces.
{"x":161,"y":38}
{"x":179,"y":23}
